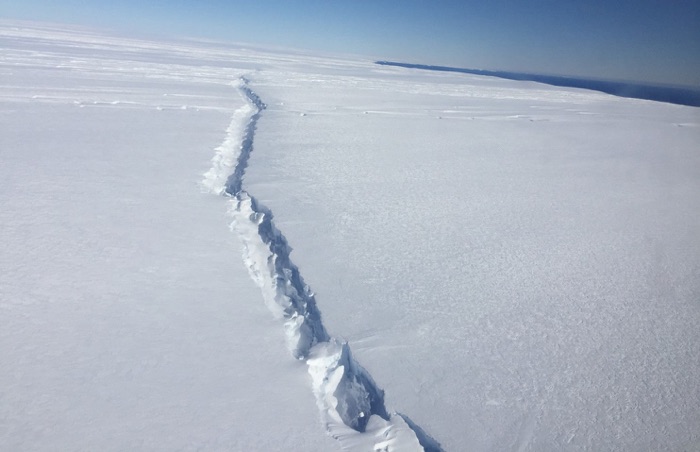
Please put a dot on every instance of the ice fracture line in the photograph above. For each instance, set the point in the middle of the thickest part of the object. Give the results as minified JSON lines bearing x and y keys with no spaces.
{"x":351,"y":404}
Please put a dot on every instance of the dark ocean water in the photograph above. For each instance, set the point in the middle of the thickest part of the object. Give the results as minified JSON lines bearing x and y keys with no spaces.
{"x":671,"y":94}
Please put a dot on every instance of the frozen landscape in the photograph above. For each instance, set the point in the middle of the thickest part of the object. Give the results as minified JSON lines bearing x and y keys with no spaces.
{"x":218,"y":247}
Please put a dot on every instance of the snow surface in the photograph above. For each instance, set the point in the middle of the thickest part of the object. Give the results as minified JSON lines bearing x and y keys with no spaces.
{"x":129,"y":321}
{"x":517,"y":265}
{"x":478,"y":264}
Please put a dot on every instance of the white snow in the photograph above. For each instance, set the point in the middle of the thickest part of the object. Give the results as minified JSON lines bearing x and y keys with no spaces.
{"x":225,"y":160}
{"x":479,"y":263}
{"x":517,"y":265}
{"x":128,"y":319}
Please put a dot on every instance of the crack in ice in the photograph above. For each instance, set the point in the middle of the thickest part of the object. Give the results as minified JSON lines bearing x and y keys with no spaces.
{"x":352,"y":405}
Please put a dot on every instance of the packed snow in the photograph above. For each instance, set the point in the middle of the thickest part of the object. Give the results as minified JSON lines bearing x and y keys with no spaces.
{"x":218,"y":247}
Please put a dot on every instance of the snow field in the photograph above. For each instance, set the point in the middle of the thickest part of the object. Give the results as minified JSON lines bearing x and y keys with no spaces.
{"x":516,"y":265}
{"x":128,"y":319}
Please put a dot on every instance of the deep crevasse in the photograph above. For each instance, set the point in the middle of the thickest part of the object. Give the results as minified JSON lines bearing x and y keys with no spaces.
{"x":351,"y":404}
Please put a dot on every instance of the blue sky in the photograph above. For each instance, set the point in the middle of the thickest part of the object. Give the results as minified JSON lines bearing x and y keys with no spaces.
{"x":642,"y":40}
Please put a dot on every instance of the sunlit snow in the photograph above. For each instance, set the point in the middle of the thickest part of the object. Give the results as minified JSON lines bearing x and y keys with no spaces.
{"x":216,"y":247}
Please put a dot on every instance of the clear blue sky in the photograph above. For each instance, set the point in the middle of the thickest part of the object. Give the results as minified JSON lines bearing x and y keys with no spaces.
{"x":641,"y":40}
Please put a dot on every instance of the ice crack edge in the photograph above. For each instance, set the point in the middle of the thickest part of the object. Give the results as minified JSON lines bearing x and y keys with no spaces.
{"x":351,"y":404}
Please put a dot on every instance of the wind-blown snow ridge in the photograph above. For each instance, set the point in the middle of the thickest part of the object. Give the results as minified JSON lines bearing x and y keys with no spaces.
{"x":351,"y":404}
